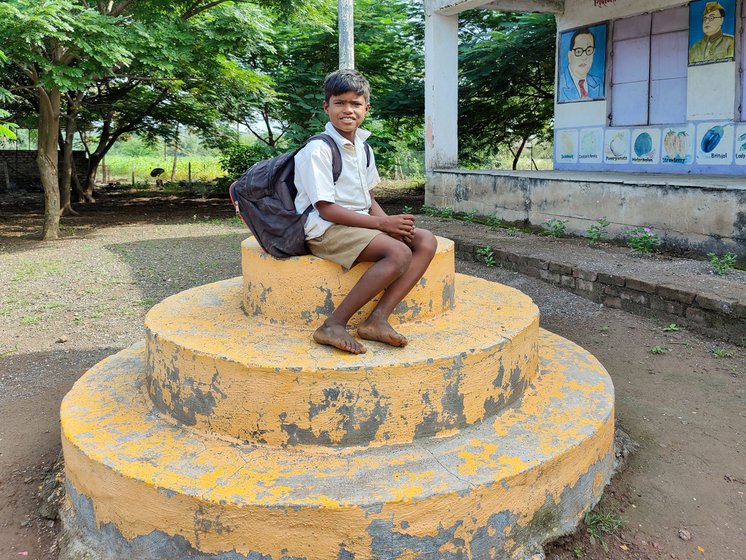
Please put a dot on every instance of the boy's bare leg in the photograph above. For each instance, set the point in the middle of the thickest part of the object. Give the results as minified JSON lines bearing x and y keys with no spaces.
{"x":376,"y":326}
{"x":391,"y":259}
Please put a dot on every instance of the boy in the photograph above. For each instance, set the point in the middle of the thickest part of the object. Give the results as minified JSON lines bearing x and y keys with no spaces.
{"x":348,"y":226}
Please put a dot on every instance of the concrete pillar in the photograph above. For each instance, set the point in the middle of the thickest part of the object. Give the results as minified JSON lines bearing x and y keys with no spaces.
{"x":346,"y":34}
{"x":441,"y":90}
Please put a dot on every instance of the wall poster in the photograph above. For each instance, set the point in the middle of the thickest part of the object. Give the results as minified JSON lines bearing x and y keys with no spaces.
{"x":616,"y":146}
{"x":646,"y":144}
{"x":678,"y":145}
{"x":715,"y":143}
{"x":567,"y":146}
{"x":582,"y":64}
{"x":712,"y":26}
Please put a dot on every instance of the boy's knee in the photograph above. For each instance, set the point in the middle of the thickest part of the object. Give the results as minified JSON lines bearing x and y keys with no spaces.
{"x":401,"y":255}
{"x":428,"y":242}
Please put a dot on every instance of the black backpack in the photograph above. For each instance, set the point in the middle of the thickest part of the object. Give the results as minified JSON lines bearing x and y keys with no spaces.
{"x":264,"y":197}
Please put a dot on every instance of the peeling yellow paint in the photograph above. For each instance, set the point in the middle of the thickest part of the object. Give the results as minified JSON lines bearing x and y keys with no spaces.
{"x":265,"y":442}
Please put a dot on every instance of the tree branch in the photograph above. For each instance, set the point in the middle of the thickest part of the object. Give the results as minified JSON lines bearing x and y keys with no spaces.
{"x":195,"y":8}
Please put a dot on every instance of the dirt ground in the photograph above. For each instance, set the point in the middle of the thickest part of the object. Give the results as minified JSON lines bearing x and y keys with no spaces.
{"x":67,"y":304}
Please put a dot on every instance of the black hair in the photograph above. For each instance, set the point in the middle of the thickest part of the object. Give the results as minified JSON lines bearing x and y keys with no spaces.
{"x":578,"y":33}
{"x":346,"y":80}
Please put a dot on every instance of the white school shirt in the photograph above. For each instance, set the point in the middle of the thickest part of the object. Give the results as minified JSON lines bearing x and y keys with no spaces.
{"x":313,"y":178}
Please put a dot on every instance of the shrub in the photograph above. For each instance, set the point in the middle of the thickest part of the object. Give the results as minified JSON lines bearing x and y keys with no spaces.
{"x":724,"y":264}
{"x":238,"y":158}
{"x":643,"y":240}
{"x":555,"y":227}
{"x":597,"y":231}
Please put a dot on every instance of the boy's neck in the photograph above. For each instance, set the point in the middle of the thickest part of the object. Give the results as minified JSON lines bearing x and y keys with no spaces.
{"x":347,"y":135}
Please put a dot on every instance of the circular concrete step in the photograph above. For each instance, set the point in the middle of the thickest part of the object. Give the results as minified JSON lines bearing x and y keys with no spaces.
{"x":141,"y":486}
{"x":212,"y":367}
{"x":303,"y":291}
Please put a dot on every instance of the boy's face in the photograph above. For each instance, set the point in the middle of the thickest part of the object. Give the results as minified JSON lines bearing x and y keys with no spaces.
{"x":346,"y":112}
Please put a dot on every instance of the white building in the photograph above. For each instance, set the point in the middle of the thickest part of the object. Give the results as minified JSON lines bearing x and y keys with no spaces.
{"x":650,"y":121}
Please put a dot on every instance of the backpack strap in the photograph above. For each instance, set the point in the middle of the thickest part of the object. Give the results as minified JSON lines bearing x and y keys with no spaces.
{"x":336,"y":155}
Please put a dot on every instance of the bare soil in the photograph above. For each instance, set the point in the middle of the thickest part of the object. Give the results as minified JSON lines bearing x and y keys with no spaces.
{"x":66,"y":304}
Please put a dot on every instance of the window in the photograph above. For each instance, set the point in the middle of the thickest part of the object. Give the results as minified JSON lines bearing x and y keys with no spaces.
{"x":649,"y":68}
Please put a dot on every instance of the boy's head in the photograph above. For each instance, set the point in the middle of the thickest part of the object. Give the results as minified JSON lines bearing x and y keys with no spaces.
{"x":344,"y":81}
{"x":346,"y":101}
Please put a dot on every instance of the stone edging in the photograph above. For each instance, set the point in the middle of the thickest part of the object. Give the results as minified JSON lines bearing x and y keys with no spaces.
{"x":704,"y":313}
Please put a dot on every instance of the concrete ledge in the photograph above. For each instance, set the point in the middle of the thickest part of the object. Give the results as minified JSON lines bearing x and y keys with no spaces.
{"x":215,"y":369}
{"x":702,"y":214}
{"x":141,"y":487}
{"x":720,"y":315}
{"x":303,"y":291}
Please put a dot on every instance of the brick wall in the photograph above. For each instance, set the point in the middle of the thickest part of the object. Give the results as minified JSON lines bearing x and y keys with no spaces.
{"x":23,"y":172}
{"x":707,"y":313}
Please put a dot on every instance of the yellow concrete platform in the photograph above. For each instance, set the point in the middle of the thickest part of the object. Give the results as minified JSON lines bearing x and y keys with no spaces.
{"x":303,"y":291}
{"x":213,"y":368}
{"x":142,"y":486}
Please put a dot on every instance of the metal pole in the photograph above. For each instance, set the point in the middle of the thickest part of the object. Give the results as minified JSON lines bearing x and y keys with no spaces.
{"x":346,"y":34}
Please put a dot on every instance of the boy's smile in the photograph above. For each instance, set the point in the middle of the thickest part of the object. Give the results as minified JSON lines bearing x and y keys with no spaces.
{"x":346,"y":113}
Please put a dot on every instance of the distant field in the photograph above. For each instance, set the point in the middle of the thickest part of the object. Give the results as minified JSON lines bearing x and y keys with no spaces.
{"x":119,"y":168}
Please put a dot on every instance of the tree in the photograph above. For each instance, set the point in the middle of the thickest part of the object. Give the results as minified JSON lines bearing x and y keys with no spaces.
{"x":66,"y":47}
{"x":506,"y":84}
{"x":301,"y":51}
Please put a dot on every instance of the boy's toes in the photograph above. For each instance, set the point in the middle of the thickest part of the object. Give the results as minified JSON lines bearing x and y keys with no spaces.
{"x":382,"y":332}
{"x":338,"y":337}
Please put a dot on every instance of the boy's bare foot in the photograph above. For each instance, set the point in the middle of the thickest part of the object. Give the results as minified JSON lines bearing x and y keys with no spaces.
{"x":380,"y":330}
{"x":337,"y":336}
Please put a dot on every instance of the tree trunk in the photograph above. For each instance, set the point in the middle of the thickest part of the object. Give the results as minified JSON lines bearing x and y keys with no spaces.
{"x":66,"y":174}
{"x":47,"y":159}
{"x":86,"y":194}
{"x":517,"y":154}
{"x":176,"y":155}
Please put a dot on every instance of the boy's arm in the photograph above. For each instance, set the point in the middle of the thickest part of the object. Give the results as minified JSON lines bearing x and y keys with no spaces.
{"x":400,"y":225}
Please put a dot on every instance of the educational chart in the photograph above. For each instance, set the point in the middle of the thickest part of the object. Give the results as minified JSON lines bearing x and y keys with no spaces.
{"x":646,"y":144}
{"x":616,"y":146}
{"x":591,"y":145}
{"x":567,"y":146}
{"x":715,"y":143}
{"x":678,"y":145}
{"x":740,"y":150}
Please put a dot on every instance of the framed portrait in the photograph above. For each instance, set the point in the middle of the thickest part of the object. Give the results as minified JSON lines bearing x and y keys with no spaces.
{"x":712,"y":28}
{"x":581,"y":71}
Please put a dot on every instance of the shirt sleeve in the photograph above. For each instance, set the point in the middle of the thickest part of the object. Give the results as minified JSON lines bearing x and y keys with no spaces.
{"x":372,"y":175}
{"x":313,"y":172}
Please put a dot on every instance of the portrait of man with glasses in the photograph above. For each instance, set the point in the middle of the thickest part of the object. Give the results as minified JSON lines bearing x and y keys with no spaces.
{"x":582,"y":57}
{"x":712,"y":45}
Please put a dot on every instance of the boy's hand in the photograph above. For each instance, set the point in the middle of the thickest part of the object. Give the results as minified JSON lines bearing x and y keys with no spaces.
{"x":400,"y":226}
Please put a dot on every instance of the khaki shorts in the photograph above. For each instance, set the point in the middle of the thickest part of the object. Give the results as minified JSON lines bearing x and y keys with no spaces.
{"x":342,"y":244}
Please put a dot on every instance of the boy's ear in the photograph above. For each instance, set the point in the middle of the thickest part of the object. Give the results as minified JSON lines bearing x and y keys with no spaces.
{"x":325,"y":105}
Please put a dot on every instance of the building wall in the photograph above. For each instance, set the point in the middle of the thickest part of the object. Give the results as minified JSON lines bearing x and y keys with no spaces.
{"x":685,"y":108}
{"x":697,"y":218}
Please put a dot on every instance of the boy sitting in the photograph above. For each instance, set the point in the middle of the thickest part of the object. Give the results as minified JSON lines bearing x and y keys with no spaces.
{"x":348,"y":226}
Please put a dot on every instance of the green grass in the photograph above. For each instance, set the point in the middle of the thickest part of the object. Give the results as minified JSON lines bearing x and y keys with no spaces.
{"x":723,"y":353}
{"x":30,"y":319}
{"x":658,"y":349}
{"x":672,"y":327}
{"x":204,"y":168}
{"x":599,"y":525}
{"x":36,"y":269}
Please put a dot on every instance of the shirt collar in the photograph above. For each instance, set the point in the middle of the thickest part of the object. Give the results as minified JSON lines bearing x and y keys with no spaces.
{"x":360,"y":134}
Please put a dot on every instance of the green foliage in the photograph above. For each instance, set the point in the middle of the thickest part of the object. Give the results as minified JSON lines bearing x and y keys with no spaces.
{"x":597,"y":231}
{"x":488,"y":256}
{"x":238,"y":158}
{"x":469,"y":217}
{"x":658,"y":349}
{"x":598,"y":525}
{"x":6,"y":128}
{"x":555,"y":227}
{"x":407,"y":209}
{"x":722,"y":264}
{"x":494,"y":222}
{"x":671,"y":327}
{"x":506,"y":63}
{"x":723,"y":353}
{"x":643,"y":240}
